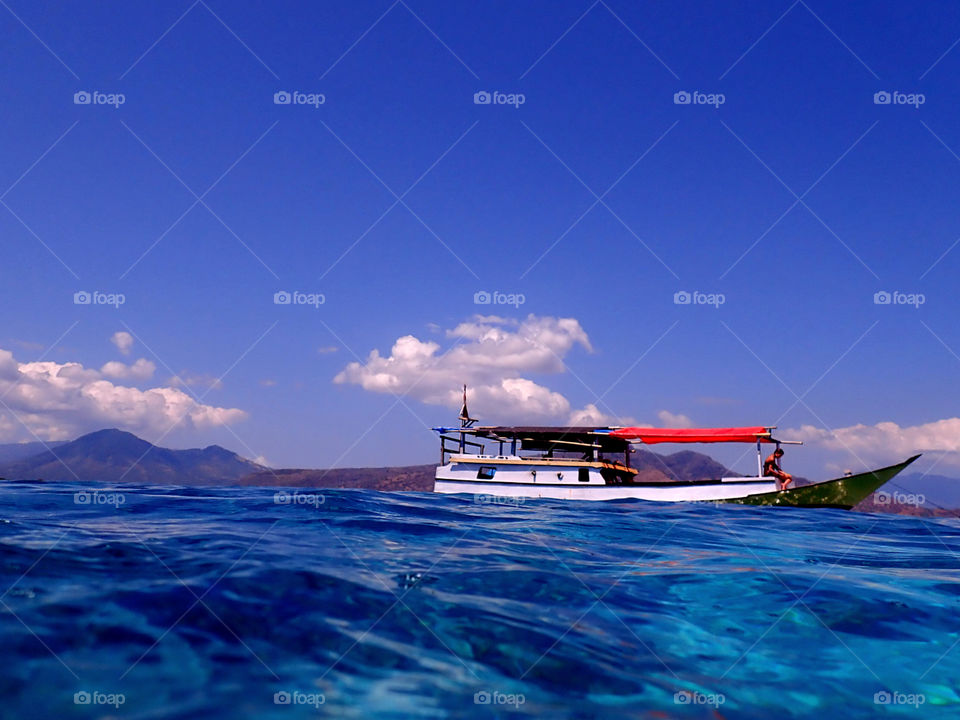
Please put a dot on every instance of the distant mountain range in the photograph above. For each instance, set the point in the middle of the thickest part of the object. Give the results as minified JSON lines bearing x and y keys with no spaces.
{"x":114,"y":456}
{"x":653,"y":467}
{"x":19,"y":451}
{"x":416,"y":478}
{"x":916,"y":494}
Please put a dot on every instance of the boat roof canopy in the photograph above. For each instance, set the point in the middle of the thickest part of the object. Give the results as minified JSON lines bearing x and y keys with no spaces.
{"x":651,"y":436}
{"x":538,"y":437}
{"x":614,"y":438}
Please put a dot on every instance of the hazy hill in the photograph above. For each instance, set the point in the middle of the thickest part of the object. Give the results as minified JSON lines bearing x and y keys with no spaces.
{"x":12,"y":452}
{"x":109,"y":456}
{"x":937,"y":489}
{"x":653,"y":467}
{"x":417,"y":478}
{"x":683,"y":465}
{"x":916,"y":494}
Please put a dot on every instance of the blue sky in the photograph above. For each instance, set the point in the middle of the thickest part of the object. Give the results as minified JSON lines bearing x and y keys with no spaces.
{"x":794,"y":198}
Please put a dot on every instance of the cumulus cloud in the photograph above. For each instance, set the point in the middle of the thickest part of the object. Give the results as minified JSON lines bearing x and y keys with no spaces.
{"x":142,"y":369}
{"x":58,"y":401}
{"x":186,"y":379}
{"x":673,"y":420}
{"x":123,"y":341}
{"x":590,"y":414}
{"x":492,"y":355}
{"x":886,"y":441}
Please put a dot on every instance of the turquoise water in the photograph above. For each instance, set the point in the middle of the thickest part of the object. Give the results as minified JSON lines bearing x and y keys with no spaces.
{"x":162,"y":602}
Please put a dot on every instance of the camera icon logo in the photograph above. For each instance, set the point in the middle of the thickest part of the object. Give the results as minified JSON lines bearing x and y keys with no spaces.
{"x":482,"y":297}
{"x":681,"y":698}
{"x":282,"y":98}
{"x":881,"y":698}
{"x":81,"y":498}
{"x":282,"y":297}
{"x":281,"y":498}
{"x":482,"y":98}
{"x":282,"y":698}
{"x":82,"y":297}
{"x":881,"y":98}
{"x":81,"y":698}
{"x":681,"y":297}
{"x":481,"y":698}
{"x":881,"y":297}
{"x":681,"y":98}
{"x":81,"y":97}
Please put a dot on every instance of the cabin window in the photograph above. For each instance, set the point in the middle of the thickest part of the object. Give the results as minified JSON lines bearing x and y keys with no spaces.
{"x":486,"y":472}
{"x":584,"y":474}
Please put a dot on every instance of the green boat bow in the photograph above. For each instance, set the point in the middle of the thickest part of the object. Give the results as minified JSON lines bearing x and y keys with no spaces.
{"x":841,"y":493}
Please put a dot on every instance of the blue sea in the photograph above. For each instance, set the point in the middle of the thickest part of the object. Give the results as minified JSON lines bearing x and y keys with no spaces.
{"x":165,"y":602}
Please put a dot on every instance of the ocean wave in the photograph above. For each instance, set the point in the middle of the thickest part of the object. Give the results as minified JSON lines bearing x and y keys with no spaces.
{"x":236,"y":602}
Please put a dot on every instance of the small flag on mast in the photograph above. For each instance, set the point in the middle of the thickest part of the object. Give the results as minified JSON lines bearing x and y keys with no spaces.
{"x":465,"y":419}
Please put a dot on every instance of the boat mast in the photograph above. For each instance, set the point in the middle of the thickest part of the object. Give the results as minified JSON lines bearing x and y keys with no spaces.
{"x":465,"y":421}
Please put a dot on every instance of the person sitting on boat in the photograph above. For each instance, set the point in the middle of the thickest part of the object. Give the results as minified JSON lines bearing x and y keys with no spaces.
{"x":771,"y":468}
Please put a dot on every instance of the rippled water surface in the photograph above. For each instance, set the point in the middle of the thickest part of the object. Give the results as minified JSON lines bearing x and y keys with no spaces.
{"x":169,"y":602}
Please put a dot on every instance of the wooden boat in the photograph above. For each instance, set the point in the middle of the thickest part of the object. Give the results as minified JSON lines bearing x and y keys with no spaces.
{"x":593,"y":463}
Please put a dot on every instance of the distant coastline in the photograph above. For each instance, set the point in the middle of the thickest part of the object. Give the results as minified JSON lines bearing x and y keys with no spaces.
{"x":112,"y":456}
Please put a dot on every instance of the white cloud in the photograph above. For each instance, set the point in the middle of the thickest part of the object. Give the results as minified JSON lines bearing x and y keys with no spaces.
{"x":490,"y":354}
{"x":123,"y":341}
{"x":185,"y":379}
{"x":886,"y":441}
{"x":674,"y":420}
{"x":142,"y":369}
{"x":58,"y":401}
{"x":590,"y":414}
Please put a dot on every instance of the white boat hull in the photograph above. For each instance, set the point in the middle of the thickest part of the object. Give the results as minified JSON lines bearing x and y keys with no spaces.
{"x":573,"y":481}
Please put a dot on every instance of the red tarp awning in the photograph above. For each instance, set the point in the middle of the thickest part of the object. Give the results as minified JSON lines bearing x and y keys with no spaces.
{"x":651,"y":436}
